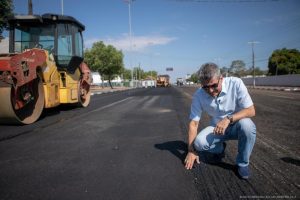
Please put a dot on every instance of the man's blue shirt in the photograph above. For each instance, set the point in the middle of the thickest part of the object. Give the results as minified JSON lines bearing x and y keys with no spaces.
{"x":233,"y":98}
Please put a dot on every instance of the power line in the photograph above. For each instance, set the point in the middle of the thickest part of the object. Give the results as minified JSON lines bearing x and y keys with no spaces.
{"x":258,"y":61}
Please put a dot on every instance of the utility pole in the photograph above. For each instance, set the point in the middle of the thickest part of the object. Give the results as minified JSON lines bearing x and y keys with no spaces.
{"x":30,"y":12}
{"x":253,"y":60}
{"x":276,"y":66}
{"x":62,"y":7}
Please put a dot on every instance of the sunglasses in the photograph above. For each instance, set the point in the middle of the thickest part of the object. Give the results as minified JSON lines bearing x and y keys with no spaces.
{"x":213,"y":86}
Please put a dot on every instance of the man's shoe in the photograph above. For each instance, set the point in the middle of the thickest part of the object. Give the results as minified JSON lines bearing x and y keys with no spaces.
{"x":244,"y":172}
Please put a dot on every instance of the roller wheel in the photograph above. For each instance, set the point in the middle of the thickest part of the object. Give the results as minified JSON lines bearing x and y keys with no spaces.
{"x":24,"y":105}
{"x":84,"y":93}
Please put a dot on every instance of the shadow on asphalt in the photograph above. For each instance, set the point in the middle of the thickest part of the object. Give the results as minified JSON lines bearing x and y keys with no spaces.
{"x":208,"y":158}
{"x":226,"y":166}
{"x":179,"y":149}
{"x":291,"y":161}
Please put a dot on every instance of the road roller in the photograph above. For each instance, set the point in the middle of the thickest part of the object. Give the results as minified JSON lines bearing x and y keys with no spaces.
{"x":44,"y":67}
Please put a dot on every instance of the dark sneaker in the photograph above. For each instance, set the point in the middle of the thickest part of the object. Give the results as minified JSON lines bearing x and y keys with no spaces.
{"x":244,"y":172}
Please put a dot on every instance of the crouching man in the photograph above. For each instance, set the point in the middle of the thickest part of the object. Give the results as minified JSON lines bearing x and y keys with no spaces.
{"x":228,"y":103}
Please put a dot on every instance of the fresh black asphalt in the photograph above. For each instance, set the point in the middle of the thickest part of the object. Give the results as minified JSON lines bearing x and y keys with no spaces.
{"x":131,"y":145}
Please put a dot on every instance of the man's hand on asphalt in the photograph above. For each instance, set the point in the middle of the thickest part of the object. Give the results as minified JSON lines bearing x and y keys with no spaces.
{"x":221,"y":126}
{"x":190,"y":158}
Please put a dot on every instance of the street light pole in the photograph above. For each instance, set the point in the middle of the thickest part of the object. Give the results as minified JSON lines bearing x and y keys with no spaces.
{"x":253,"y":60}
{"x":150,"y":55}
{"x":130,"y":37}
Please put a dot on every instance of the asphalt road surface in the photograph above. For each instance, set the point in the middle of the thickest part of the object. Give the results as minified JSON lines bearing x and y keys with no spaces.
{"x":131,"y":145}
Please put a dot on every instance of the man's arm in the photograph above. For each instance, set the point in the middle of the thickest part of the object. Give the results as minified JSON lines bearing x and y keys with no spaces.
{"x":224,"y":123}
{"x":244,"y":113}
{"x":192,"y":155}
{"x":193,"y":127}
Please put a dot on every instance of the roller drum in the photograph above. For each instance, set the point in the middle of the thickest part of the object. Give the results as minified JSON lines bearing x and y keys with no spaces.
{"x":29,"y":113}
{"x":84,"y":92}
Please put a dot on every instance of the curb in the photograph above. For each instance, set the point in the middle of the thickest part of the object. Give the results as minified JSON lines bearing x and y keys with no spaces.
{"x":287,"y":89}
{"x":95,"y":91}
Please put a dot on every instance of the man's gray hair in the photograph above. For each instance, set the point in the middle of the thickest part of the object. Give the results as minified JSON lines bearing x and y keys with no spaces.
{"x":208,"y":71}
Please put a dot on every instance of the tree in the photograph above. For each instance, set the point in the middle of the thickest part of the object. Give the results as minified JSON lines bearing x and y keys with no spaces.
{"x":284,"y":61}
{"x":107,"y":60}
{"x":150,"y":74}
{"x":224,"y":71}
{"x":237,"y":68}
{"x":138,"y":73}
{"x":6,"y":10}
{"x":126,"y":74}
{"x":194,"y":78}
{"x":257,"y":70}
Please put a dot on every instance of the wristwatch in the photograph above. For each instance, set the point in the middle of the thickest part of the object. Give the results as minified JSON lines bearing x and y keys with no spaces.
{"x":230,"y":117}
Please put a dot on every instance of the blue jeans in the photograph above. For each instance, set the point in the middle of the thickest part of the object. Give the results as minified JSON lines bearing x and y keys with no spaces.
{"x":243,"y":130}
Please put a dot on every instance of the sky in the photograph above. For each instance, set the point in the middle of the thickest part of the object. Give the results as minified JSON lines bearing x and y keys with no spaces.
{"x":183,"y":34}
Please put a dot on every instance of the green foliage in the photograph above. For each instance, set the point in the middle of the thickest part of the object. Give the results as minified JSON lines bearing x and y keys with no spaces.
{"x":194,"y":78}
{"x":6,"y":10}
{"x":106,"y":60}
{"x":138,"y":73}
{"x":257,"y":71}
{"x":284,"y":61}
{"x":224,"y":71}
{"x":150,"y":74}
{"x":126,"y":74}
{"x":237,"y":68}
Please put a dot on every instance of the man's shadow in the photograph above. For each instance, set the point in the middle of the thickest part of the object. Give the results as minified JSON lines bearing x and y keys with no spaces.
{"x":179,"y":149}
